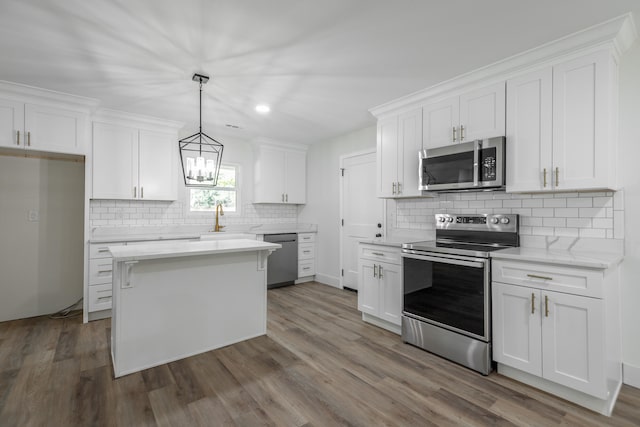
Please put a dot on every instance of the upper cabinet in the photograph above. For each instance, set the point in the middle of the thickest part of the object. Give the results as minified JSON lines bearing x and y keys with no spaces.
{"x":477,"y":114}
{"x":133,"y":164}
{"x":42,"y":127}
{"x":398,"y":147}
{"x":280,"y":175}
{"x":560,"y":128}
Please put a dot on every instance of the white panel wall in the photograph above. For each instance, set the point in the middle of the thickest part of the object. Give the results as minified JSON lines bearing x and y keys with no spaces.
{"x":323,"y":197}
{"x":41,"y":258}
{"x":629,"y":169}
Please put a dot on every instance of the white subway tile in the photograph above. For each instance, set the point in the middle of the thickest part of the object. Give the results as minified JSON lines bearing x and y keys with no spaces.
{"x":493,"y":203}
{"x":618,"y":200}
{"x":602,"y":223}
{"x":532,"y":203}
{"x":593,"y":194}
{"x":593,"y":212}
{"x":597,"y":233}
{"x":565,"y":195}
{"x":532,"y":221}
{"x":555,"y":203}
{"x":581,"y":202}
{"x":618,"y":224}
{"x":603,"y":202}
{"x":567,"y":212}
{"x":512,"y":203}
{"x":567,"y":232}
{"x":542,"y":231}
{"x":544,"y":212}
{"x":476,"y":204}
{"x":579,"y":222}
{"x":468,"y":196}
{"x":554,"y":222}
{"x":525,"y":230}
{"x":523,"y":212}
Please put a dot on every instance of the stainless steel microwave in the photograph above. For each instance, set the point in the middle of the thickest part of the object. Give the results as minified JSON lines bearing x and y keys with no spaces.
{"x":474,"y":165}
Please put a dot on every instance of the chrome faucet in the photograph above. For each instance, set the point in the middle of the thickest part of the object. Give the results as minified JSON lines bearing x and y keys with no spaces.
{"x":221,"y":212}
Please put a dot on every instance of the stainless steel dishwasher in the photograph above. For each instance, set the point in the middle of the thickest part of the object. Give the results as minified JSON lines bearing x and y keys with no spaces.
{"x":282,"y":264}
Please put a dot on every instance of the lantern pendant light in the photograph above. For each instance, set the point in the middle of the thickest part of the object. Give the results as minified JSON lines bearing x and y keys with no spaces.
{"x":200,"y":154}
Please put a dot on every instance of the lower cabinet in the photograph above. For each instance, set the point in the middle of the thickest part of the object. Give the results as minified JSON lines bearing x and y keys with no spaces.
{"x":306,"y":255}
{"x":380,"y":286}
{"x":559,"y":340}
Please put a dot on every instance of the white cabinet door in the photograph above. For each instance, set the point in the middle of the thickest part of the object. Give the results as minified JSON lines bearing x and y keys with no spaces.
{"x":390,"y":277}
{"x":295,"y":180}
{"x":115,"y":162}
{"x":573,"y":337}
{"x":369,"y":288}
{"x":156,"y":176}
{"x":440,"y":123}
{"x":582,"y":104}
{"x":482,"y":113}
{"x":529,"y":133}
{"x":11,"y":122}
{"x":516,"y":327}
{"x":387,"y":157}
{"x":409,"y":147}
{"x":269,"y":176}
{"x":54,"y":129}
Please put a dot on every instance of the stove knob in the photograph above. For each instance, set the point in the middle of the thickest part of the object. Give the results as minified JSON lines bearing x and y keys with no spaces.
{"x":504,"y":220}
{"x":449,"y":219}
{"x":441,"y":219}
{"x":494,"y":220}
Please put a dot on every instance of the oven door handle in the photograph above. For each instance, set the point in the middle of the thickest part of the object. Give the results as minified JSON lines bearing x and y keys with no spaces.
{"x":474,"y":264}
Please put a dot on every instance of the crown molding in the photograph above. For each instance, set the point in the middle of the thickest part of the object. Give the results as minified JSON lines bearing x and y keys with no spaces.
{"x":31,"y":93}
{"x":617,"y":34}
{"x":135,"y":120}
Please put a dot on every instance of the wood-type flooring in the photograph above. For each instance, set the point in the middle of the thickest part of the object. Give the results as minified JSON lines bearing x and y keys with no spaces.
{"x":319,"y":365}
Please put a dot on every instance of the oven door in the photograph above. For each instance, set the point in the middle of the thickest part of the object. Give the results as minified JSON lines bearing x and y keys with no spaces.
{"x":449,"y":291}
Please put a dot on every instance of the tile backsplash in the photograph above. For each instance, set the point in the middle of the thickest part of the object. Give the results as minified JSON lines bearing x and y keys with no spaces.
{"x":136,"y":213}
{"x":586,"y":214}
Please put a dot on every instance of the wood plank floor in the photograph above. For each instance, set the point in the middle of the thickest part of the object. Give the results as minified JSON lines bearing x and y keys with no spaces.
{"x":318,"y":365}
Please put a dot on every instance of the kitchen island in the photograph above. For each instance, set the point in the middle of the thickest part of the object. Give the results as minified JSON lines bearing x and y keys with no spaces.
{"x":177,"y":299}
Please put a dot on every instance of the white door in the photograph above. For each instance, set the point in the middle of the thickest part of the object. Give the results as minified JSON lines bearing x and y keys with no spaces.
{"x":482,"y":113}
{"x":361,"y":210}
{"x":573,"y":332}
{"x":409,"y":147}
{"x":11,"y":122}
{"x":115,"y":162}
{"x":295,"y":177}
{"x":390,"y":276}
{"x":440,"y":122}
{"x":387,"y":159}
{"x":529,"y":131}
{"x":156,"y":166}
{"x":516,"y":327}
{"x":54,"y":129}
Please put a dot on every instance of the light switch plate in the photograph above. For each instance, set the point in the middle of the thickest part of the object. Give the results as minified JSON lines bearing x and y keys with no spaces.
{"x":33,"y":215}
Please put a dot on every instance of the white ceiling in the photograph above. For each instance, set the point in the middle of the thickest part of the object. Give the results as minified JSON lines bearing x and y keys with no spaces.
{"x":319,"y":64}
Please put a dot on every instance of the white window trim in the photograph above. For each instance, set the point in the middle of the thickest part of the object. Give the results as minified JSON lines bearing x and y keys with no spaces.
{"x":208,"y":214}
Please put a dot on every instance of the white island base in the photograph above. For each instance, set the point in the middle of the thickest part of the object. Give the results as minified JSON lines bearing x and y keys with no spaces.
{"x":177,"y":300}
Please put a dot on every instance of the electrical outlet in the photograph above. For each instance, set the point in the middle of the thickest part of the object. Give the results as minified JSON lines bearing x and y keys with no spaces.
{"x":34,"y":215}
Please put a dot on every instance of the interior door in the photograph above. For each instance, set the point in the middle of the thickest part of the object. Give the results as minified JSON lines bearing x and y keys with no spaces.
{"x":362,"y":211}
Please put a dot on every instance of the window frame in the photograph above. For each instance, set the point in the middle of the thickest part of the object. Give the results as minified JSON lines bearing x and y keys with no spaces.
{"x":208,"y":214}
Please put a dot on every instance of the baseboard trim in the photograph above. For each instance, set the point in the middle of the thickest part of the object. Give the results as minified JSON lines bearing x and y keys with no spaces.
{"x":328,"y":280}
{"x":631,"y":375}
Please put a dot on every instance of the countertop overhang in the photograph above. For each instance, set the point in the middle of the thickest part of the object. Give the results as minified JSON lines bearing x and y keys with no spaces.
{"x":184,"y":249}
{"x":598,"y":260}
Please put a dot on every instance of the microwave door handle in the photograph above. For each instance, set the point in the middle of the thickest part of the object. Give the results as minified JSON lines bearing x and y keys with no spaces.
{"x":477,"y":145}
{"x":474,"y":264}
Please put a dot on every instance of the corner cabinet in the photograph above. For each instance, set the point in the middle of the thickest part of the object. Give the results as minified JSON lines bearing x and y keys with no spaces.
{"x":380,"y":286}
{"x":280,"y":176}
{"x":133,"y":164}
{"x":557,"y":328}
{"x":37,"y":127}
{"x":561,"y":126}
{"x":399,"y":142}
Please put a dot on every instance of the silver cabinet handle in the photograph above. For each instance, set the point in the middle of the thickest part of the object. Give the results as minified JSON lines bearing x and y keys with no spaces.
{"x":557,"y":177}
{"x":380,"y":272}
{"x":105,"y":271}
{"x":455,"y":131}
{"x":544,"y":178}
{"x":393,"y":188}
{"x":286,"y":197}
{"x":103,"y":250}
{"x":142,"y":192}
{"x":306,"y":268}
{"x":533,"y":299}
{"x":283,"y":197}
{"x":29,"y":139}
{"x":461,"y":133}
{"x":535,"y":276}
{"x":107,"y":297}
{"x":399,"y":188}
{"x":18,"y":140}
{"x":135,"y":194}
{"x":378,"y":253}
{"x":375,"y":270}
{"x":546,"y":306}
{"x":306,"y":252}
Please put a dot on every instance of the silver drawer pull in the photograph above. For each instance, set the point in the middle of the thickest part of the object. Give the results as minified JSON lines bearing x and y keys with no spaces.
{"x":103,"y":250}
{"x":306,"y":252}
{"x":107,"y":297}
{"x":535,"y":276}
{"x":105,"y":271}
{"x":378,"y":253}
{"x":306,"y":268}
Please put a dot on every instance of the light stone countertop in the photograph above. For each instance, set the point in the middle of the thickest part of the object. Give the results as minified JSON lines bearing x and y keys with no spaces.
{"x":185,"y":249}
{"x":395,"y":242}
{"x":588,"y":259}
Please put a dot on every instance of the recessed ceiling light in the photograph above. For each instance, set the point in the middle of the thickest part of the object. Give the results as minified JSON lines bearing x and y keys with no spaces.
{"x":263,"y":108}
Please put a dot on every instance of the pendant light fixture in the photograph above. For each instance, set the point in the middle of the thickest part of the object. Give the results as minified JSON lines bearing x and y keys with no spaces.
{"x":200,"y":154}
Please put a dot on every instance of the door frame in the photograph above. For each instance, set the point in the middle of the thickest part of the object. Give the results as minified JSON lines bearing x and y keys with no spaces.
{"x":384,"y":207}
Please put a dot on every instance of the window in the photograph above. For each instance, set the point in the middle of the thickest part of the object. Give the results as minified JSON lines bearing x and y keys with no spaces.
{"x":225,"y":193}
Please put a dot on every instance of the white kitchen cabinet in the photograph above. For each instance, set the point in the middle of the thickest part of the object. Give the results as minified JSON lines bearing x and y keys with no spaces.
{"x":133,"y":164}
{"x":306,"y":256}
{"x":557,"y":328}
{"x":399,"y":142}
{"x":380,"y":285}
{"x":280,"y":176}
{"x":42,"y":128}
{"x":477,"y":114}
{"x":560,"y":126}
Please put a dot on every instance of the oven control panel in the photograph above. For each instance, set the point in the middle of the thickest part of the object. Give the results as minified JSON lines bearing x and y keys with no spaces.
{"x":487,"y":222}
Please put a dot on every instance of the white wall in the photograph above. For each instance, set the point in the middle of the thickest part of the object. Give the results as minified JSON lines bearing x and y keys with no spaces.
{"x":323,"y":201}
{"x":41,"y":262}
{"x":629,"y":168}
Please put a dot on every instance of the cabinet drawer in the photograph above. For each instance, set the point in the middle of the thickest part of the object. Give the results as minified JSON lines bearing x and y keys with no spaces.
{"x":100,"y":271}
{"x":100,"y":297}
{"x":380,"y":253}
{"x":306,"y":251}
{"x":577,"y":281}
{"x":306,"y":268}
{"x":99,"y":250}
{"x":306,"y":237}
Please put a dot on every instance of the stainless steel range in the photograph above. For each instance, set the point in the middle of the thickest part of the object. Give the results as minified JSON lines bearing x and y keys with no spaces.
{"x":447,"y":287}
